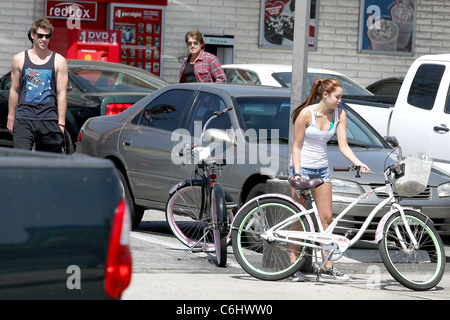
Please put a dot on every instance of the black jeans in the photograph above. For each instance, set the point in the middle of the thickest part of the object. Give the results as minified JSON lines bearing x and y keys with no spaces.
{"x":46,"y":135}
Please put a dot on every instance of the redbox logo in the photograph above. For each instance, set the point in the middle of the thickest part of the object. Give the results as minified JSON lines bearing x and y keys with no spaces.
{"x":86,"y":11}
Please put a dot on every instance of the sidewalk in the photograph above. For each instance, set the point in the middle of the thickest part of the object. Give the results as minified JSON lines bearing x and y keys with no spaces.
{"x":372,"y":284}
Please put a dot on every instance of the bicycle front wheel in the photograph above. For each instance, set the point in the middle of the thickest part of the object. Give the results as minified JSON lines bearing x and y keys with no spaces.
{"x":184,"y":218}
{"x":268,"y":258}
{"x":219,"y":223}
{"x":417,"y":267}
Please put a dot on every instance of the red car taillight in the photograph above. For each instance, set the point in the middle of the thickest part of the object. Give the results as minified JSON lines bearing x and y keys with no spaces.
{"x":116,"y":108}
{"x":119,"y":261}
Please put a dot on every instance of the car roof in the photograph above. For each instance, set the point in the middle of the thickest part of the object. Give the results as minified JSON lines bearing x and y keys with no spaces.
{"x":115,"y":67}
{"x":236,"y":90}
{"x":276,"y":68}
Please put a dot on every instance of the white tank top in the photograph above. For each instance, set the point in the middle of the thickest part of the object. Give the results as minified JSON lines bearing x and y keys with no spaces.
{"x":314,"y":150}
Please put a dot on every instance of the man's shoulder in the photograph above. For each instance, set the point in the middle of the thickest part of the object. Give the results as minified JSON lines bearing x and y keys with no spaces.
{"x":60,"y":61}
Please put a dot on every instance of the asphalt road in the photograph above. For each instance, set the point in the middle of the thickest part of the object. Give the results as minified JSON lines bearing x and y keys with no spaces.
{"x":158,"y":274}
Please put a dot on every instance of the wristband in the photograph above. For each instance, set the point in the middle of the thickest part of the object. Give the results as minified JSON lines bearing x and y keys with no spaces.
{"x":297,"y":175}
{"x":61,"y":125}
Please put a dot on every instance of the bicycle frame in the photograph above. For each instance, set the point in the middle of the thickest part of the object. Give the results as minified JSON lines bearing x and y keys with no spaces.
{"x":326,"y":236}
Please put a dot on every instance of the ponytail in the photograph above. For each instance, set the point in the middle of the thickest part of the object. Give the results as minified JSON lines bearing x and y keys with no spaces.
{"x":318,"y":88}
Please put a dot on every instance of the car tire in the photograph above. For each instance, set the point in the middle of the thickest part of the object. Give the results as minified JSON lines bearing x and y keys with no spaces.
{"x":257,"y":190}
{"x":136,"y":212}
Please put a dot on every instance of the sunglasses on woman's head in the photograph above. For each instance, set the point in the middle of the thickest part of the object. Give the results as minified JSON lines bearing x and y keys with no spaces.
{"x":42,"y":35}
{"x":190,"y":43}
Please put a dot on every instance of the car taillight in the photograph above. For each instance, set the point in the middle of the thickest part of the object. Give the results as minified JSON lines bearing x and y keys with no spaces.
{"x":80,"y":136}
{"x":116,"y":108}
{"x":119,"y":261}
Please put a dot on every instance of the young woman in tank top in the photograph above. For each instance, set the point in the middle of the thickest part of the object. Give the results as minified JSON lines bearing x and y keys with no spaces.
{"x":314,"y":124}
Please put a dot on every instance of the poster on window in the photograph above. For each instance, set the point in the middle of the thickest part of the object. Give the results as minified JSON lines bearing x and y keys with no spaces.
{"x":277,"y":24}
{"x":142,"y":35}
{"x":387,"y":26}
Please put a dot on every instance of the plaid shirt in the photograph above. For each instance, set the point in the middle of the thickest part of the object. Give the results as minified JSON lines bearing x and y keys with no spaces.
{"x":207,"y":68}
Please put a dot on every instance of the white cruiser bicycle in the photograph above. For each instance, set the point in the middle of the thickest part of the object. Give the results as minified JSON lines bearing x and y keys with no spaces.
{"x":272,"y":234}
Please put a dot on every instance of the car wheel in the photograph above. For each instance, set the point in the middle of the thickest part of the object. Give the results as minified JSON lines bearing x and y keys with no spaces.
{"x":136,"y":212}
{"x":68,"y":144}
{"x":257,"y":190}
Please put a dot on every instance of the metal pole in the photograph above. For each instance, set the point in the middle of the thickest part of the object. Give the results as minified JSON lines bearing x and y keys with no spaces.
{"x":299,"y":61}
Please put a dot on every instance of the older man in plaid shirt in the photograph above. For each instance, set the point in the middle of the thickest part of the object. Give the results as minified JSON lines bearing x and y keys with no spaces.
{"x":200,"y":66}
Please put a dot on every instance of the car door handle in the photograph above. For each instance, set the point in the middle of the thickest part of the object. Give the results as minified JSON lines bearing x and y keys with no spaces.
{"x":442,"y":128}
{"x":126,"y":143}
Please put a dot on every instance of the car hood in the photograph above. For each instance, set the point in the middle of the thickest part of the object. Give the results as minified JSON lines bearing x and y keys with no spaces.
{"x":376,"y":159}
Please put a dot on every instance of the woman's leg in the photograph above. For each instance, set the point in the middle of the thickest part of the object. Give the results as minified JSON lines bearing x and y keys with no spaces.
{"x":323,"y":198}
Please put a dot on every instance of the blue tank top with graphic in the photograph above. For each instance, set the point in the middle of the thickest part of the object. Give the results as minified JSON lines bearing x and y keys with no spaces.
{"x":37,"y":94}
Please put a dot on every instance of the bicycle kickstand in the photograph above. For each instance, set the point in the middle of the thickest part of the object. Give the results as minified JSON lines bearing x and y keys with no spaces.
{"x":191,"y":249}
{"x":320,"y":267}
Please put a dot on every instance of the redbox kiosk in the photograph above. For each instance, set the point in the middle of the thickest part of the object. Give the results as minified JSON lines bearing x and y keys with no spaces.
{"x":100,"y":45}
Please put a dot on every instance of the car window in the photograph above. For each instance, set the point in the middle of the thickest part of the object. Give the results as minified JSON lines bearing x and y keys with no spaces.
{"x":425,"y":85}
{"x":447,"y":103}
{"x":166,"y":111}
{"x":205,"y":106}
{"x":108,"y":80}
{"x":350,"y":87}
{"x":265,"y":113}
{"x":359,"y":134}
{"x":274,"y":113}
{"x":241,"y":76}
{"x":6,"y":82}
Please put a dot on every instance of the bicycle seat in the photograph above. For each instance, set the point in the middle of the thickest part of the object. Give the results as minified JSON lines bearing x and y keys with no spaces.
{"x":306,"y":184}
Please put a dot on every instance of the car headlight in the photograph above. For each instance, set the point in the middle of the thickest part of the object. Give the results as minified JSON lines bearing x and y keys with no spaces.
{"x":342,"y":189}
{"x":444,"y":190}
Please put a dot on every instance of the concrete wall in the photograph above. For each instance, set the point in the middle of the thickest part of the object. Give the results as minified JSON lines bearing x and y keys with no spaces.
{"x":337,"y":45}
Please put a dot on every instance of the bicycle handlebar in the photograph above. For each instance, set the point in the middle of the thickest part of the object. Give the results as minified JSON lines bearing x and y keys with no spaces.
{"x":349,"y":168}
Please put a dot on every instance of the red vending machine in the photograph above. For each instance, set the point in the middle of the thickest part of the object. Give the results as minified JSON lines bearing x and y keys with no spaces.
{"x":88,"y":44}
{"x":141,"y":28}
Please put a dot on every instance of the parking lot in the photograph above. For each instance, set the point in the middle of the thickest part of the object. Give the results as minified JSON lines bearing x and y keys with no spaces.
{"x":159,"y":274}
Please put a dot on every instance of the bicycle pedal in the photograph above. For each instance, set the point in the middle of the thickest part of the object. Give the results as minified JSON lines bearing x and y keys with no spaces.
{"x":197,"y":249}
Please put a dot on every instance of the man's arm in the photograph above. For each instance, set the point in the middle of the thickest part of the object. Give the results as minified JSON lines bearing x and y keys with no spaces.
{"x":16,"y":71}
{"x":62,"y":79}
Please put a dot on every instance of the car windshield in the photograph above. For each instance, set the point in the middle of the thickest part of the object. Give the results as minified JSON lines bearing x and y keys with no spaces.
{"x":269,"y":117}
{"x":95,"y":80}
{"x":350,"y":87}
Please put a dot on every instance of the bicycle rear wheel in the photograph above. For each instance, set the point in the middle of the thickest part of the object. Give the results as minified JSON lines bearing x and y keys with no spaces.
{"x":219,"y":223}
{"x":418,"y":267}
{"x":267,"y":259}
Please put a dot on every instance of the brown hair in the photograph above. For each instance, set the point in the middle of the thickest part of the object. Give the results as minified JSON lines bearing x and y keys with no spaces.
{"x":195,"y":35}
{"x":43,"y":24}
{"x":318,"y":88}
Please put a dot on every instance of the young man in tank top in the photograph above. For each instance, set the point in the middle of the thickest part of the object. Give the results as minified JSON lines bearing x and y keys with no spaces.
{"x":37,"y":98}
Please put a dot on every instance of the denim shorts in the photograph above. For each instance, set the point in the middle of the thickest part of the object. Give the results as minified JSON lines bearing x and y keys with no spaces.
{"x":306,"y":173}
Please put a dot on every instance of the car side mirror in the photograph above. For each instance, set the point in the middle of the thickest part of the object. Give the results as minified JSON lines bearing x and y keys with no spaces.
{"x":393,"y":142}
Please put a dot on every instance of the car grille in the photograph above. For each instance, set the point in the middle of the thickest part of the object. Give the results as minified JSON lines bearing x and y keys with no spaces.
{"x":424,"y":195}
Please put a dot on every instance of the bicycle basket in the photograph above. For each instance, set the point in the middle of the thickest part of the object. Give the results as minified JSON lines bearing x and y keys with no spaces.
{"x":415,"y":179}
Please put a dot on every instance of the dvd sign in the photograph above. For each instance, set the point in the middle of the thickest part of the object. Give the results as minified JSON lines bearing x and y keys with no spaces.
{"x":80,"y":10}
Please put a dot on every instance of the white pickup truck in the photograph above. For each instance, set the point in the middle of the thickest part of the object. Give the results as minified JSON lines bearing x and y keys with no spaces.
{"x":420,"y":117}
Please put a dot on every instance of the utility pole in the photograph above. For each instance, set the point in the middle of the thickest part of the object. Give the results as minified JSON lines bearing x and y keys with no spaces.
{"x":299,"y":60}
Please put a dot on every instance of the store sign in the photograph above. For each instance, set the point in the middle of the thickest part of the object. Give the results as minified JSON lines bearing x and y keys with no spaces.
{"x":98,"y":36}
{"x":387,"y":26}
{"x":277,"y":24}
{"x":86,"y":11}
{"x":142,"y":35}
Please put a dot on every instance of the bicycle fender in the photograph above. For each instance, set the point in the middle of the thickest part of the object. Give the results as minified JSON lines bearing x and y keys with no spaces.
{"x":195,"y":182}
{"x":381,"y":224}
{"x":277,"y":195}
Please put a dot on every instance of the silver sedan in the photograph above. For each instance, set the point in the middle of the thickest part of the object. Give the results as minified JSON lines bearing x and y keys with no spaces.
{"x":146,"y":143}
